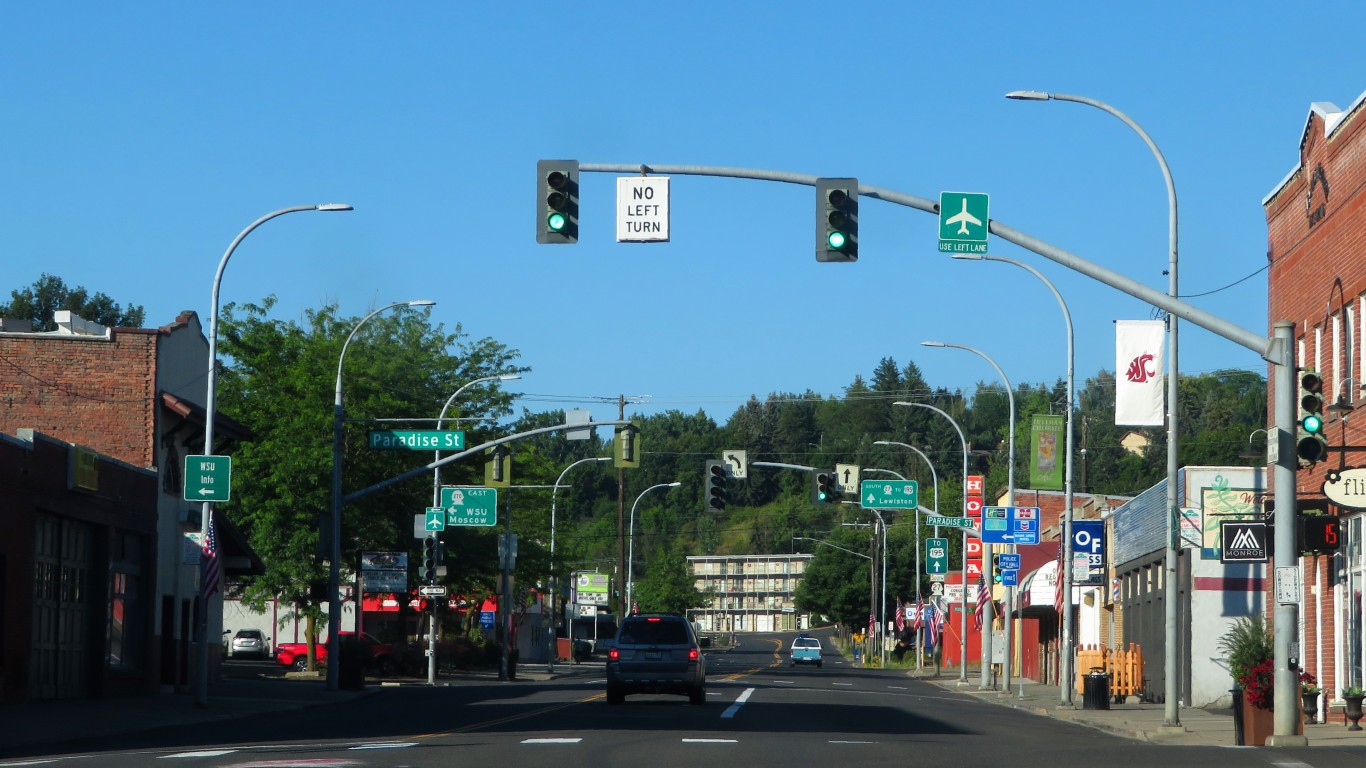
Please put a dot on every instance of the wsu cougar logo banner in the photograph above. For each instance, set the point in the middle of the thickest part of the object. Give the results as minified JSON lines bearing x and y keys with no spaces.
{"x":1139,"y":381}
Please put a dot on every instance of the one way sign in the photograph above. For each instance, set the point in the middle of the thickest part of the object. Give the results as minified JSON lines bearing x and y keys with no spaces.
{"x":846,"y":478}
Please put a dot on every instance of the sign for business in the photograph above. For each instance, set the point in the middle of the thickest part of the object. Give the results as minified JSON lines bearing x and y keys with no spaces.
{"x":1245,"y":541}
{"x":1088,"y":537}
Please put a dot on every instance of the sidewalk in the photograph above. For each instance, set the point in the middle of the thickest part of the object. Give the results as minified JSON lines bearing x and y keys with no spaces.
{"x":1135,"y":719}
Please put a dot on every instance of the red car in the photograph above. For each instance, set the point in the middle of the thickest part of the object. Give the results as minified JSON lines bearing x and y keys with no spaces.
{"x":382,"y":658}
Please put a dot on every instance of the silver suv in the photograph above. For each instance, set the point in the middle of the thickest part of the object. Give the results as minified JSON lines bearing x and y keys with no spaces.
{"x":656,"y":654}
{"x":249,"y":642}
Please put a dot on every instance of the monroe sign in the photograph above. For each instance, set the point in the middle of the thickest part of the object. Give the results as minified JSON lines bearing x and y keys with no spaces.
{"x":1346,"y":487}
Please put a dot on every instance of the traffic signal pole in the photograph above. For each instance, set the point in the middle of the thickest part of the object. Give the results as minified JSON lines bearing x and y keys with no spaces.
{"x":1276,"y":349}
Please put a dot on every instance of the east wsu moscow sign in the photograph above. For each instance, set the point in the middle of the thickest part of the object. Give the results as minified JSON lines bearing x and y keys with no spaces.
{"x":1346,"y":487}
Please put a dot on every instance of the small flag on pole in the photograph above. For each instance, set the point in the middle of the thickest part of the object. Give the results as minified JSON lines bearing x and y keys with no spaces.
{"x":983,"y":595}
{"x":212,"y":567}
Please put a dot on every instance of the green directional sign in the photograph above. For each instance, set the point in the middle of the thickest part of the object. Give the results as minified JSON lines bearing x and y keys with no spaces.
{"x":470,"y":506}
{"x":208,"y":478}
{"x":936,"y":556}
{"x":417,"y":440}
{"x":889,"y":494}
{"x":963,"y":222}
{"x":948,"y":522}
{"x":436,"y":519}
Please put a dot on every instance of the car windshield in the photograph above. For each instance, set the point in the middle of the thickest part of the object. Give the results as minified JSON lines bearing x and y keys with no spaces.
{"x":806,"y":642}
{"x":653,"y":633}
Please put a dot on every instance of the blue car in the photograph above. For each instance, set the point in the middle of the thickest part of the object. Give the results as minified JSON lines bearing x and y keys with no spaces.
{"x":805,"y":650}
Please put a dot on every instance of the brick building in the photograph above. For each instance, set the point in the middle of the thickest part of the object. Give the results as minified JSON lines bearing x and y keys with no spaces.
{"x":133,"y":395}
{"x":1316,"y":246}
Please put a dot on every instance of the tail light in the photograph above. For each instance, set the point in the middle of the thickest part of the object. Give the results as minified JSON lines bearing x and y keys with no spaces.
{"x":614,"y":655}
{"x":693,"y":654}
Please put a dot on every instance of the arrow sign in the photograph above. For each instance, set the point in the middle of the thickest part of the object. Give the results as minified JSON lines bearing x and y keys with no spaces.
{"x":736,"y":464}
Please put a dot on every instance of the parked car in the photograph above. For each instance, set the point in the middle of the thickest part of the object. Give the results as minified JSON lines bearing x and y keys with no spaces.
{"x":805,"y":650}
{"x":382,"y":659}
{"x":656,"y":654}
{"x":249,"y":642}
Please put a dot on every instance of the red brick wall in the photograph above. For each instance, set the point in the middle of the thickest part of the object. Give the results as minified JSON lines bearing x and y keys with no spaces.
{"x":1316,"y":270}
{"x":91,"y":392}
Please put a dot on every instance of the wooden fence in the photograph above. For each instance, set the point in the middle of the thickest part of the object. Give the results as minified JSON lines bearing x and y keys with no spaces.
{"x":1125,"y":668}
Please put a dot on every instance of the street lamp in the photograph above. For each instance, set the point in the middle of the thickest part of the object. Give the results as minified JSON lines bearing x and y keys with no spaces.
{"x":1065,"y":646}
{"x":963,"y":617}
{"x":210,"y":407}
{"x":933,"y":474}
{"x":436,"y":502}
{"x":334,"y":569}
{"x":550,"y":630}
{"x":631,"y":537}
{"x":1286,"y":618}
{"x":1010,"y":494}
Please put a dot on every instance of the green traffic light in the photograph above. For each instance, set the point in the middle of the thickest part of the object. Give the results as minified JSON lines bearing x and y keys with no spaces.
{"x":837,"y":240}
{"x":556,"y":222}
{"x":1313,"y":424}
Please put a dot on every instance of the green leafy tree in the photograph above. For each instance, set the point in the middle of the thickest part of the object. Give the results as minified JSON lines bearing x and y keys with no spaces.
{"x":836,"y":583}
{"x":48,"y":294}
{"x":668,"y":586}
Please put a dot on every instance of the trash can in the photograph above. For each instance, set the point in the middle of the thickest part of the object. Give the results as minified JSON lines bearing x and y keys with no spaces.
{"x":1095,"y":691}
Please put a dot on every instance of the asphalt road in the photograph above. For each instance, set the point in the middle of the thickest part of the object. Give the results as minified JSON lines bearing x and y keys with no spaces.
{"x":760,"y":712}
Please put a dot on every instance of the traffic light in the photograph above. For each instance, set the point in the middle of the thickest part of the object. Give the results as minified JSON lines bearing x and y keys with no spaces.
{"x":626,"y":446}
{"x":1320,"y":534}
{"x":823,"y":490}
{"x":498,"y":467}
{"x":716,"y":486}
{"x":427,"y":572}
{"x":557,"y":201}
{"x":1311,"y":447}
{"x":996,"y":576}
{"x":836,"y":219}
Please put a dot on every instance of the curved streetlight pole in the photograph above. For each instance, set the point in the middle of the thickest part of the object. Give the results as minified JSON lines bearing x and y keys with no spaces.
{"x":1287,"y":618}
{"x":1065,"y":646}
{"x":882,"y":620}
{"x":963,"y":617}
{"x":334,"y":568}
{"x":210,"y":408}
{"x":436,"y":502}
{"x":1010,"y":497}
{"x":631,"y":539}
{"x":933,"y":474}
{"x":550,"y":629}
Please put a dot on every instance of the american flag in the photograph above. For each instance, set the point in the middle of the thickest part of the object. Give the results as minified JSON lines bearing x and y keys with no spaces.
{"x":1057,"y":587}
{"x":935,"y":618}
{"x":213,"y":569}
{"x":919,"y":612}
{"x":983,"y":595}
{"x":900,"y":618}
{"x":872,"y":624}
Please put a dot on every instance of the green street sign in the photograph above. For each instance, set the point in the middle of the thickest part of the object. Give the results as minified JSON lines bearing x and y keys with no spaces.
{"x":963,"y":222}
{"x":470,"y":506}
{"x":936,"y":556}
{"x":948,"y":522}
{"x":417,"y":440}
{"x":889,"y":494}
{"x":436,"y":519}
{"x":208,"y":478}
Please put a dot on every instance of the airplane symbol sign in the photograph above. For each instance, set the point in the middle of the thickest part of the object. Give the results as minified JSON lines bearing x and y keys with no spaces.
{"x":963,"y":222}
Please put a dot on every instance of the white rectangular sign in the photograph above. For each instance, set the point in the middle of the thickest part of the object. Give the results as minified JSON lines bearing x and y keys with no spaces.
{"x":642,"y":209}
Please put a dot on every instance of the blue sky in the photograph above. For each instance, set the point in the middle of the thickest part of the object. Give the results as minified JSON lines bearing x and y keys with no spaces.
{"x":140,"y":138}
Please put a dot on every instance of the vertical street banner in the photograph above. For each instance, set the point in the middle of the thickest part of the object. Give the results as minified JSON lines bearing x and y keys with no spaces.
{"x":1139,"y":381}
{"x":1045,"y":439}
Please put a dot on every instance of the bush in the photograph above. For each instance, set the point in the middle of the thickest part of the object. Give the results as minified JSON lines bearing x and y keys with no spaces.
{"x":1247,"y":643}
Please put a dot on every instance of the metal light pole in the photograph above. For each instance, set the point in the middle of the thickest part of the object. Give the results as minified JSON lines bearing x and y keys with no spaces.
{"x":334,"y":568}
{"x":436,"y":502}
{"x":210,"y":408}
{"x":1065,"y":646}
{"x":1286,"y":721}
{"x":554,"y":617}
{"x":631,"y":539}
{"x":963,"y":617}
{"x":933,"y":474}
{"x":882,"y":620}
{"x":1010,"y":494}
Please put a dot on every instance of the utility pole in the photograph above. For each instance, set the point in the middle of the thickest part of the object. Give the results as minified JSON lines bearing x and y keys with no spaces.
{"x":622,"y":607}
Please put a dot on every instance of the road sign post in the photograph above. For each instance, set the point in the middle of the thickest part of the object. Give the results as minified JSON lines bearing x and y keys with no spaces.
{"x":936,"y":556}
{"x":963,"y":222}
{"x":417,"y":440}
{"x":642,"y":209}
{"x":1010,"y":525}
{"x":208,"y":478}
{"x":470,"y":506}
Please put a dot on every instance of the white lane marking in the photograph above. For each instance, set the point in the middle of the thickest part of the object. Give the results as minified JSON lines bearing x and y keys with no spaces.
{"x":784,"y":682}
{"x":34,"y":762}
{"x":739,"y":702}
{"x":897,"y":687}
{"x":200,"y":753}
{"x":1291,"y":764}
{"x":385,"y":745}
{"x":575,"y":740}
{"x":843,"y":683}
{"x":709,"y":741}
{"x":837,"y":741}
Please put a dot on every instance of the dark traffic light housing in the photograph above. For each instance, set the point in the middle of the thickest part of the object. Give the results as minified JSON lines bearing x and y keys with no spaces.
{"x":996,"y":576}
{"x":716,"y":486}
{"x":836,"y":219}
{"x":557,"y":201}
{"x":427,"y":572}
{"x":1311,"y":446}
{"x":823,"y":487}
